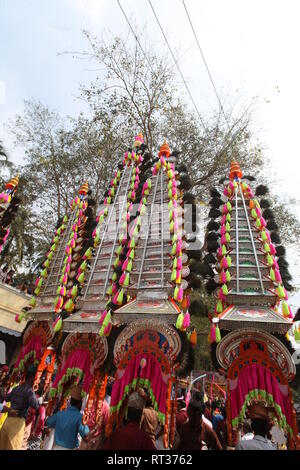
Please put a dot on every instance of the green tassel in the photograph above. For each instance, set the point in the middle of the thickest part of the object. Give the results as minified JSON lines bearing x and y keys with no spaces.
{"x":144,"y":200}
{"x":267,"y":247}
{"x":175,"y":263}
{"x":254,"y":214}
{"x":143,"y":209}
{"x":173,"y":275}
{"x":65,"y":219}
{"x":107,"y":319}
{"x":112,"y":192}
{"x":228,"y":261}
{"x":129,"y":266}
{"x":119,"y":174}
{"x":170,"y":184}
{"x":227,"y":227}
{"x":58,"y":231}
{"x":108,"y":200}
{"x":173,"y":252}
{"x":88,"y":254}
{"x":297,"y":335}
{"x":280,"y":292}
{"x":149,"y":183}
{"x":81,"y":278}
{"x":228,"y":277}
{"x":228,"y":218}
{"x":176,"y":290}
{"x":126,"y":280}
{"x":56,"y":239}
{"x":69,"y":305}
{"x":83,"y":266}
{"x":174,"y":238}
{"x":44,"y":273}
{"x":53,"y":247}
{"x":109,"y":290}
{"x":227,"y":237}
{"x":132,"y":243}
{"x":105,"y":212}
{"x":270,"y":260}
{"x":50,"y":255}
{"x":37,"y":291}
{"x":132,"y":254}
{"x":179,"y":321}
{"x":225,"y":289}
{"x":219,"y":306}
{"x":218,"y":335}
{"x":263,"y":236}
{"x":74,"y":291}
{"x":229,"y":206}
{"x":170,"y":215}
{"x":58,"y":326}
{"x":114,"y":277}
{"x":170,"y":205}
{"x":170,"y":194}
{"x":272,"y":275}
{"x":224,"y":250}
{"x":32,"y":302}
{"x":285,"y":309}
{"x":258,"y":223}
{"x":119,"y":250}
{"x":120,"y":297}
{"x":171,"y":227}
{"x":101,"y":331}
{"x":116,"y":263}
{"x":40,"y":283}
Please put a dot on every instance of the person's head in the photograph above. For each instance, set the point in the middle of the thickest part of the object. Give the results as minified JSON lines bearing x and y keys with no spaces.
{"x":260,"y":427}
{"x":76,"y":403}
{"x":134,"y":415}
{"x":223,"y":412}
{"x":30,"y":375}
{"x":136,"y":405}
{"x":246,"y":427}
{"x":195,"y":410}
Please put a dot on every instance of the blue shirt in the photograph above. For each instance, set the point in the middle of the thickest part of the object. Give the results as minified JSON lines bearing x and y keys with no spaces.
{"x":215,"y":419}
{"x":67,"y":424}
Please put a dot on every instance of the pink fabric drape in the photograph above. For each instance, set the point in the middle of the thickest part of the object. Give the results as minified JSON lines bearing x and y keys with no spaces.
{"x":151,"y":372}
{"x":35,"y":344}
{"x":78,"y":361}
{"x":258,"y":377}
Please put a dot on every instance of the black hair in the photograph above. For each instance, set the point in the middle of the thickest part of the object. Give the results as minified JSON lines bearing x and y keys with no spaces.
{"x":260,"y":427}
{"x":196,"y":402}
{"x":76,"y":403}
{"x":134,"y":415}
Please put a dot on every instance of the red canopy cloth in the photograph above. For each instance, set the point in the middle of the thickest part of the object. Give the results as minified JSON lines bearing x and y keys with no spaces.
{"x":256,"y":382}
{"x":77,"y":364}
{"x":32,"y":349}
{"x":149,"y":376}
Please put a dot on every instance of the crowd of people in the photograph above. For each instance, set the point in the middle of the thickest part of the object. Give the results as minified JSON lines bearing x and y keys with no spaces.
{"x":200,"y":422}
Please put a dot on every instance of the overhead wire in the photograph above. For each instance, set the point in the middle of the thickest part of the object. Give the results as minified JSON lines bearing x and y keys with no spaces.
{"x":205,"y":63}
{"x":176,"y":63}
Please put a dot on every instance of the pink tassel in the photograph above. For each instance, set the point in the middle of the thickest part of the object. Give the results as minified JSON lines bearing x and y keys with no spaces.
{"x":231,"y":185}
{"x":173,"y":191}
{"x":223,"y":240}
{"x":65,"y":279}
{"x":225,"y":209}
{"x":212,"y":334}
{"x":286,"y":295}
{"x":225,"y":192}
{"x":176,"y":226}
{"x":125,"y":264}
{"x":68,"y":267}
{"x":68,"y":249}
{"x":291,"y":313}
{"x":37,"y":281}
{"x":221,"y":296}
{"x":72,"y":244}
{"x":258,"y":211}
{"x":114,"y":288}
{"x":107,"y":329}
{"x":162,"y":161}
{"x":219,"y":253}
{"x":179,"y":263}
{"x":180,"y":294}
{"x":223,"y":277}
{"x":263,"y":222}
{"x":223,"y":230}
{"x":186,"y":320}
{"x":275,"y":264}
{"x":277,"y":275}
{"x":122,"y":278}
{"x":178,"y":248}
{"x":272,"y":249}
{"x":69,"y":259}
{"x":223,"y":220}
{"x":102,"y":317}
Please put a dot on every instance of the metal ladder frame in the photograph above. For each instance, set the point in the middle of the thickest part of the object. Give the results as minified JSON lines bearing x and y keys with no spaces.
{"x":106,"y":227}
{"x":252,"y":241}
{"x":147,"y":236}
{"x":237,"y":242}
{"x":117,"y":232}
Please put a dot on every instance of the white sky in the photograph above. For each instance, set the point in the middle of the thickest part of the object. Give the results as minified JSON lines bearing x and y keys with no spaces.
{"x":250,"y":46}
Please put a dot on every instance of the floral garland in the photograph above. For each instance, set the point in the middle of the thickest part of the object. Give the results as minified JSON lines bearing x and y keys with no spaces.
{"x":256,"y":394}
{"x":65,"y":300}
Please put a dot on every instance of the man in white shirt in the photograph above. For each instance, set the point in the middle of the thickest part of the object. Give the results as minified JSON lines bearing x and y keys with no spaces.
{"x":260,"y":427}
